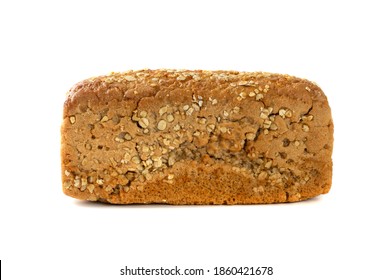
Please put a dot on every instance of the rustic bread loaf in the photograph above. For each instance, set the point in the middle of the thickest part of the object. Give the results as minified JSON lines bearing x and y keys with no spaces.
{"x":196,"y":137}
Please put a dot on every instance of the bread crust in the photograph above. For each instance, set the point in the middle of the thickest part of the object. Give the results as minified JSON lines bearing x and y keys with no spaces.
{"x":196,"y":137}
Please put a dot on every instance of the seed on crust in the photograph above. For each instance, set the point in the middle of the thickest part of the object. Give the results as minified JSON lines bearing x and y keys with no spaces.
{"x":162,"y":124}
{"x":263,"y":116}
{"x":91,"y":188}
{"x":171,"y":160}
{"x":250,"y":136}
{"x":143,"y":114}
{"x":202,"y":120}
{"x":262,"y":175}
{"x":163,"y":110}
{"x":104,"y":119}
{"x":170,"y":118}
{"x":190,"y":111}
{"x":144,"y":122}
{"x":268,"y":164}
{"x":210,"y":127}
{"x":197,"y":133}
{"x":130,"y":78}
{"x":136,"y":159}
{"x":273,"y":126}
{"x":306,"y":128}
{"x":145,"y":149}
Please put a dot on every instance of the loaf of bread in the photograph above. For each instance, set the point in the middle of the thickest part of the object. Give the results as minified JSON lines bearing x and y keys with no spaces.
{"x":196,"y":137}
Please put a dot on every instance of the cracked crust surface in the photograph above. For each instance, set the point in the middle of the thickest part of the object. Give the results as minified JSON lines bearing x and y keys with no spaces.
{"x":196,"y":137}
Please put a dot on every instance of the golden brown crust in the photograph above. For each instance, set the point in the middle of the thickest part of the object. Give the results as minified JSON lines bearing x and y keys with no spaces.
{"x":196,"y":137}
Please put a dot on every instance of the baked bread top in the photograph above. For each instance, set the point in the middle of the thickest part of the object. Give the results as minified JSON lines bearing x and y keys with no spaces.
{"x":276,"y":129}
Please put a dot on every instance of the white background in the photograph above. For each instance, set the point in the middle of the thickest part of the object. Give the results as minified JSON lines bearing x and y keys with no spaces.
{"x":46,"y":47}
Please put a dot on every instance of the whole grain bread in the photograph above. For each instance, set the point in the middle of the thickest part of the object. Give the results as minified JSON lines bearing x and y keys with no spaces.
{"x":196,"y":137}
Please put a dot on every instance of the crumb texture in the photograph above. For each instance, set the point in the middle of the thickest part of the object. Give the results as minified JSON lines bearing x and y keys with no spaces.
{"x":196,"y":137}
